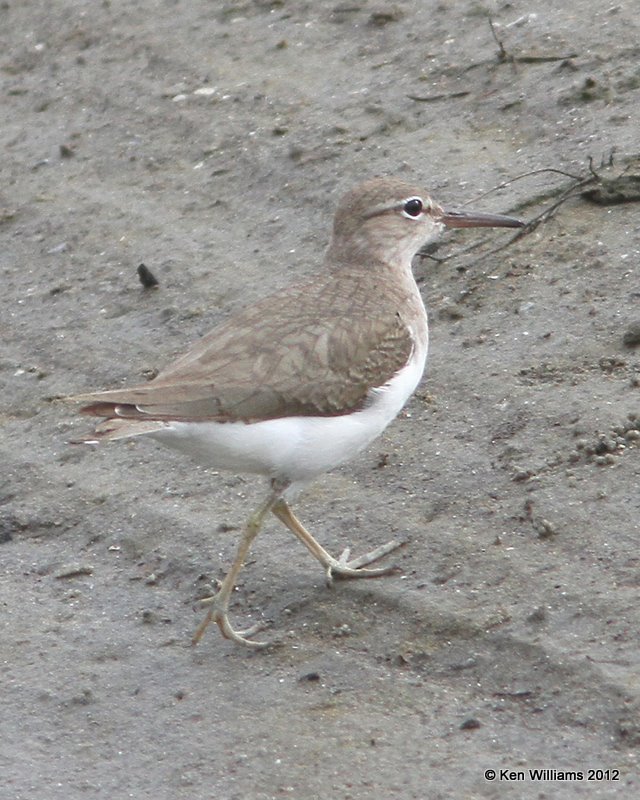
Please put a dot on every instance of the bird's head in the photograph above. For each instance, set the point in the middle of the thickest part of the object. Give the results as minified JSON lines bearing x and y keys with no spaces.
{"x":390,"y":220}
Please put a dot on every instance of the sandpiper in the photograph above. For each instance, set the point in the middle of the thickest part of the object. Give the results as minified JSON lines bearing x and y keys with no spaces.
{"x":304,"y":379}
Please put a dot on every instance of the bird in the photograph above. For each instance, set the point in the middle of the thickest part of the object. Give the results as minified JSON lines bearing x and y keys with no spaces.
{"x":304,"y":379}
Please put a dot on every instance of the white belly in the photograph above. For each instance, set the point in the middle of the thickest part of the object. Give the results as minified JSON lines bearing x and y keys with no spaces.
{"x":295,"y":448}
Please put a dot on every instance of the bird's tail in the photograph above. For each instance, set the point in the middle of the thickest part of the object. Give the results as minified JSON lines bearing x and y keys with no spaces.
{"x":112,"y":429}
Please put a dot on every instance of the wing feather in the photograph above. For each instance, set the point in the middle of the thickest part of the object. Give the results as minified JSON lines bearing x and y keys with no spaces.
{"x":295,"y":353}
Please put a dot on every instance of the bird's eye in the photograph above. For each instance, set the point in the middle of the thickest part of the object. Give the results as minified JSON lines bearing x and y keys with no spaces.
{"x":413,"y":207}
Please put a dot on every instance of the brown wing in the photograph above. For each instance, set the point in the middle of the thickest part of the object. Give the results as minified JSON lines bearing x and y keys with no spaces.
{"x":294,"y":353}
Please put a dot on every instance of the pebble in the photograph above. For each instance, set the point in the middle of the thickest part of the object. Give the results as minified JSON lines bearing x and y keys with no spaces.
{"x":73,"y":570}
{"x":59,"y":248}
{"x":146,"y":277}
{"x":205,"y":91}
{"x":544,"y":528}
{"x":631,"y":336}
{"x":311,"y":677}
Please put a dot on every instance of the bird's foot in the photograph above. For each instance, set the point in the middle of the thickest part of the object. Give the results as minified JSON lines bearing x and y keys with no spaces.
{"x":335,"y":567}
{"x":343,"y":568}
{"x":218,"y":613}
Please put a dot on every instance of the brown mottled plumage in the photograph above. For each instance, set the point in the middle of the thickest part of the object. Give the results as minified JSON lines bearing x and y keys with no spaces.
{"x":307,"y":359}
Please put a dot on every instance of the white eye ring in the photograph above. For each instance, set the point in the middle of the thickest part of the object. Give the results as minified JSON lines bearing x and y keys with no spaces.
{"x":413,"y":207}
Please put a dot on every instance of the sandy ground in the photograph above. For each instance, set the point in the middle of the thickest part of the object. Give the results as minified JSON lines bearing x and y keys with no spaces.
{"x":211,"y":141}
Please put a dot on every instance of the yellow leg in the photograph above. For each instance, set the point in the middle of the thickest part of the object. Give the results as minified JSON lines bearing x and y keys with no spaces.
{"x":219,"y":603}
{"x":338,"y":567}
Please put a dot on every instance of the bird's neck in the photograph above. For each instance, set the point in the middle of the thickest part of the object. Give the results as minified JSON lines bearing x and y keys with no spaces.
{"x":388,"y":280}
{"x":386,"y":258}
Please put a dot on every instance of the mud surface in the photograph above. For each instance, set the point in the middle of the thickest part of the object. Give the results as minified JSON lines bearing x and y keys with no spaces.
{"x":210,"y":141}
